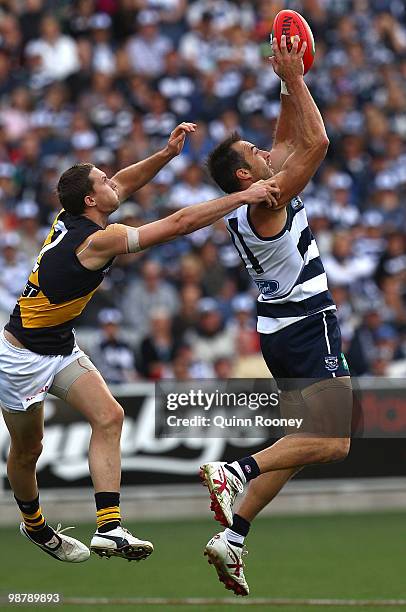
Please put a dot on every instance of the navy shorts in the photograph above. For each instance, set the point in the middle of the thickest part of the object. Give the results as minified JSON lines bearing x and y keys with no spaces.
{"x":308,"y":349}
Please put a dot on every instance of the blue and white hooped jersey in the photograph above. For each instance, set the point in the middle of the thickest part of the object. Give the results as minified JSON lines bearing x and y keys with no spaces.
{"x":286,"y":268}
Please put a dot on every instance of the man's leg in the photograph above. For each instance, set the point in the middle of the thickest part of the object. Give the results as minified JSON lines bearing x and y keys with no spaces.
{"x":26,"y":431}
{"x":327,"y":410}
{"x":268,"y":471}
{"x":327,"y":440}
{"x":262,"y":491}
{"x":89,"y":394}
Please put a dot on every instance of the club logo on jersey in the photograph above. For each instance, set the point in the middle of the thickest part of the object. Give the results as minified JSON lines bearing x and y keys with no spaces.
{"x":331,"y":363}
{"x":30,"y":290}
{"x":268,"y":287}
{"x":296,"y":203}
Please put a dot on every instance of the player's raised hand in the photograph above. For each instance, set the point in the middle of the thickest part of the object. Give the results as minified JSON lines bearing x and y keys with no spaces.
{"x":287,"y":65}
{"x":178,"y":137}
{"x":263,"y":191}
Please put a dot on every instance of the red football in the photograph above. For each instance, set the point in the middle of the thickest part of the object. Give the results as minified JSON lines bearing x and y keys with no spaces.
{"x":291,"y":24}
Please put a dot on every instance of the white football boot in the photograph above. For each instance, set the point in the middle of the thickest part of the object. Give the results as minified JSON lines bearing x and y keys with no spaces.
{"x":60,"y":546}
{"x":227,"y":559}
{"x":119,"y":542}
{"x":223,"y":488}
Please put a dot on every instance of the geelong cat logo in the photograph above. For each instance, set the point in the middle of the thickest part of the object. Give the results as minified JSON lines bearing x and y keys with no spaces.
{"x":331,"y":362}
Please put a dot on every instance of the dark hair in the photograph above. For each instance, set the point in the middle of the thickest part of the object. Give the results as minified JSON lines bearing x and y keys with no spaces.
{"x":73,"y":186}
{"x":224,"y":161}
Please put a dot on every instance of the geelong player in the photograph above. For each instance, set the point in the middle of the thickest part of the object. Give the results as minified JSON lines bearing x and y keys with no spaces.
{"x":299,"y":333}
{"x":38,"y":352}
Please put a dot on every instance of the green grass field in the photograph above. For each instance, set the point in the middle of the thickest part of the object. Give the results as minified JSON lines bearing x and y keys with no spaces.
{"x":325,"y":557}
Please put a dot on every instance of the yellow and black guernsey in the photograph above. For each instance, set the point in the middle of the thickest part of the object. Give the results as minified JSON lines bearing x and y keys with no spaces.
{"x":58,"y":289}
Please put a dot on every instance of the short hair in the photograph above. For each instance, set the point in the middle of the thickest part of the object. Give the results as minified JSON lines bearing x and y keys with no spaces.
{"x":73,"y":186}
{"x":224,"y":161}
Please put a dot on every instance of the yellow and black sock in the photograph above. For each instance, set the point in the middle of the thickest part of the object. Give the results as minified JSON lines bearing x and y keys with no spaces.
{"x":108,"y":511}
{"x":34,"y":521}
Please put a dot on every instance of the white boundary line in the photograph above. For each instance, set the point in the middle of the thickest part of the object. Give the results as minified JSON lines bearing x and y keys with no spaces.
{"x":207,"y":601}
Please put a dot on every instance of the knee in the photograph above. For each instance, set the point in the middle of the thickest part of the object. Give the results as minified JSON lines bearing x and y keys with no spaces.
{"x":27,"y":455}
{"x":111,"y":418}
{"x":337,"y":449}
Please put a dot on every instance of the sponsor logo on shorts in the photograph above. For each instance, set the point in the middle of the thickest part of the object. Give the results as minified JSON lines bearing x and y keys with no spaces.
{"x":331,"y":363}
{"x":42,"y":390}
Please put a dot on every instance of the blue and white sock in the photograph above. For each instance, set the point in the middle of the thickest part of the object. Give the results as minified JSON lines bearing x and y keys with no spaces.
{"x":238,"y":531}
{"x":245,"y":469}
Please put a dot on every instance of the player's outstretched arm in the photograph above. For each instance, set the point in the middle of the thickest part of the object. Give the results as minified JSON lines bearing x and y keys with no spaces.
{"x":137,"y":175}
{"x":192,"y":218}
{"x":311,"y":144}
{"x":119,"y":239}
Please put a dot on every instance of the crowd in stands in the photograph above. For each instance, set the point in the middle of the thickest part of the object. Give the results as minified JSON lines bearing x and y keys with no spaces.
{"x":106,"y":81}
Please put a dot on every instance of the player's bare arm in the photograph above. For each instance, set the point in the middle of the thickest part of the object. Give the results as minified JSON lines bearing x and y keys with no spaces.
{"x":286,"y":132}
{"x":312,"y":143}
{"x":118,"y":239}
{"x":132,"y":178}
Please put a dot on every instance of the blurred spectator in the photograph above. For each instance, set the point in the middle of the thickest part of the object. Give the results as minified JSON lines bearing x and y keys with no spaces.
{"x":214,"y":276}
{"x":103,"y":51}
{"x":30,"y":19}
{"x":192,"y":189}
{"x":113,"y":356}
{"x":243,"y":323}
{"x":147,"y":49}
{"x":341,"y":212}
{"x":57,"y":52}
{"x":8,"y":188}
{"x":16,"y":117}
{"x":393,"y":259}
{"x":186,"y":366}
{"x":188,"y":316}
{"x":212,"y":340}
{"x":157,"y":350}
{"x":372,"y":339}
{"x":150,"y":292}
{"x":342,"y":266}
{"x":15,"y":269}
{"x":197,"y":47}
{"x":27,"y":213}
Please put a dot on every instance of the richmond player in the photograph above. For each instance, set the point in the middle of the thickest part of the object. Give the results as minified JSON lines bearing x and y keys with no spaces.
{"x":39,"y":355}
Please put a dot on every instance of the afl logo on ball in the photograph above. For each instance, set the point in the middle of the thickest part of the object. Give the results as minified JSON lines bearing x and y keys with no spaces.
{"x":331,"y":363}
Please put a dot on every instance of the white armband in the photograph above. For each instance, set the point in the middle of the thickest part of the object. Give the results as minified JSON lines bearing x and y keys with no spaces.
{"x":133,"y":239}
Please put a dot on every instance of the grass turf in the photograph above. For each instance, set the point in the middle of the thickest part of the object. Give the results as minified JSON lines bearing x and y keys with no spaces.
{"x":358,"y":556}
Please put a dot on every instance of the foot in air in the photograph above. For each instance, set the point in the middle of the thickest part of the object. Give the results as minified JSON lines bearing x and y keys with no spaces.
{"x":227,"y":560}
{"x":60,"y":546}
{"x":223,"y":487}
{"x":119,"y":542}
